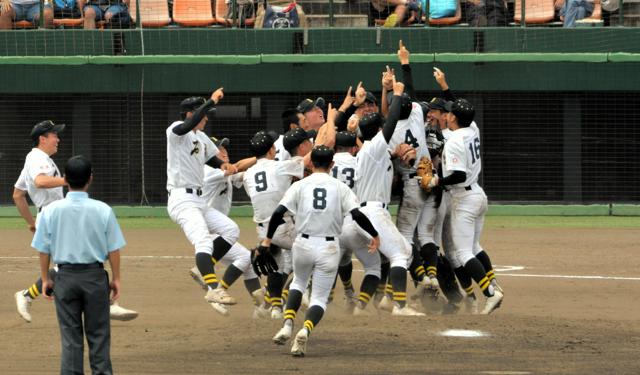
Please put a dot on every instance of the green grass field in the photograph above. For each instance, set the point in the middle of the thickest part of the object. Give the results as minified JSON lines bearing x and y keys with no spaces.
{"x":491,"y":222}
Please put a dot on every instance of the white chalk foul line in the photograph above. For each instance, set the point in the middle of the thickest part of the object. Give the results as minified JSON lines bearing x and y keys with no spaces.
{"x":580,"y":277}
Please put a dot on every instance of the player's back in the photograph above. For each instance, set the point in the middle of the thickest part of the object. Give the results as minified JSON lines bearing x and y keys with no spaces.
{"x":462,"y":151}
{"x":374,"y":172}
{"x":410,"y":131}
{"x":320,"y":203}
{"x":186,"y":157}
{"x":344,"y":168}
{"x":266,"y":182}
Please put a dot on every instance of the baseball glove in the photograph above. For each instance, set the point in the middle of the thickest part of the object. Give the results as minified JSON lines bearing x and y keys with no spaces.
{"x":424,"y":172}
{"x":263,"y":261}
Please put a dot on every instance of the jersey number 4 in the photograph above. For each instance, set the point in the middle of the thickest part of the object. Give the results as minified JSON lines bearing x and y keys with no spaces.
{"x":319,"y":198}
{"x":410,"y":139}
{"x":261,"y":181}
{"x":475,"y":150}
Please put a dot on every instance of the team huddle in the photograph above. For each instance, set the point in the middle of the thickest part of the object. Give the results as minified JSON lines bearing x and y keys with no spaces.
{"x":320,"y":194}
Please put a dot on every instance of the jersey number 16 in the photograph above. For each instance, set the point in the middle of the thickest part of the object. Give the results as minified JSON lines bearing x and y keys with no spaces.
{"x":475,"y":150}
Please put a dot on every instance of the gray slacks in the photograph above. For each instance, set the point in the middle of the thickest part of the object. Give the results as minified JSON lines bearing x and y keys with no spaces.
{"x":83,"y":292}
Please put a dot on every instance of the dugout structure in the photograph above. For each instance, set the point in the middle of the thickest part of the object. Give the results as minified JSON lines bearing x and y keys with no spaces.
{"x":558,"y":109}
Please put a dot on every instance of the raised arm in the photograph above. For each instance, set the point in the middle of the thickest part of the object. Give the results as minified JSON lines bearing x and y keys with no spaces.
{"x":407,"y":78}
{"x":442,"y":82}
{"x":394,"y":111}
{"x":199,"y":113}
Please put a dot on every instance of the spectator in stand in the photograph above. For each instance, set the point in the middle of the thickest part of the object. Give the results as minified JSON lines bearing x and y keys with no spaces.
{"x":114,"y":12}
{"x":66,"y":9}
{"x":572,"y":10}
{"x":392,"y":11}
{"x":487,"y":13}
{"x":19,"y":10}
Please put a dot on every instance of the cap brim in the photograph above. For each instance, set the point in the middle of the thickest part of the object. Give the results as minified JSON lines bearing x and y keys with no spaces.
{"x":224,"y":142}
{"x":58,"y":128}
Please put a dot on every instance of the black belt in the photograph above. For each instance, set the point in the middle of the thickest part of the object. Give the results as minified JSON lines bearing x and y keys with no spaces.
{"x":80,"y":267}
{"x":384,"y":205}
{"x":304,"y":235}
{"x":467,"y":188}
{"x":193,"y":191}
{"x":412,"y":175}
{"x":39,"y":209}
{"x":260,"y":225}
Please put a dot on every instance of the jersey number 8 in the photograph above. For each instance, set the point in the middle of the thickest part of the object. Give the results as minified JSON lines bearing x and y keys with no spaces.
{"x":319,"y":198}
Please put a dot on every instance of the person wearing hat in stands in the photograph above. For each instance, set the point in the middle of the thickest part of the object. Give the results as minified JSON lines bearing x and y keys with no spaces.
{"x":313,"y":113}
{"x":40,"y":178}
{"x":79,"y":234}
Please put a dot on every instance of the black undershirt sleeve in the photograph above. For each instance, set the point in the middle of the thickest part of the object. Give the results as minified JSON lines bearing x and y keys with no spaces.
{"x":194,"y":120}
{"x":343,"y":118}
{"x":392,"y":118}
{"x":277,"y":218}
{"x":407,"y":79}
{"x":214,"y":162}
{"x":363,"y":222}
{"x":448,"y":95}
{"x":457,"y":177}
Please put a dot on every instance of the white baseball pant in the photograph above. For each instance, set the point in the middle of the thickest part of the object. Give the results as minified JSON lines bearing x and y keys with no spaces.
{"x":355,"y":240}
{"x":468,"y":208}
{"x":393,"y":245}
{"x":199,"y":222}
{"x":240,"y":257}
{"x":318,"y":258}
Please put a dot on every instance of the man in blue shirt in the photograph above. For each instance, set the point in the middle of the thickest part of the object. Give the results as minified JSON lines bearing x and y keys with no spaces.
{"x":79,"y":234}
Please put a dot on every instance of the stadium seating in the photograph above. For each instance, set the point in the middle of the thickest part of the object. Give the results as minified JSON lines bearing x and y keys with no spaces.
{"x":153,"y":13}
{"x":194,"y":13}
{"x":536,"y":11}
{"x":448,"y":20}
{"x":222,"y":8}
{"x":23,"y":25}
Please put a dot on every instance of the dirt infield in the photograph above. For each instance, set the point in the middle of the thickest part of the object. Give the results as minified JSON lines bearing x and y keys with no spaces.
{"x":553,"y":320}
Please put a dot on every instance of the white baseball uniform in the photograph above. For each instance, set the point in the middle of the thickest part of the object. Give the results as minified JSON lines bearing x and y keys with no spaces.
{"x":218,"y":193}
{"x":354,"y":239}
{"x":374,"y":175}
{"x":186,"y":158}
{"x":281,"y":152}
{"x":468,"y":200}
{"x":36,"y":163}
{"x":266,"y":183}
{"x":417,"y":209}
{"x":319,"y":204}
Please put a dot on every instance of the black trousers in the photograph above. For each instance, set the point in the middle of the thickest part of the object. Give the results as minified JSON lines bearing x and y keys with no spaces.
{"x":83,"y":292}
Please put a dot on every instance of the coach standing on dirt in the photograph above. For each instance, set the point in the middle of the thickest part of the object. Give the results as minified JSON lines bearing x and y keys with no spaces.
{"x":80,"y":233}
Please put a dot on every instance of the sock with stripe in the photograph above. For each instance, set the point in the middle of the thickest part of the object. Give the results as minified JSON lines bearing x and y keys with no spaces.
{"x":345,"y":273}
{"x":293,"y":305}
{"x":416,"y":269}
{"x":230,"y":276}
{"x":205,"y":266}
{"x":429,"y":253}
{"x":312,"y":317}
{"x":398,"y":278}
{"x":252,"y":284}
{"x":35,"y":289}
{"x":464,"y":278}
{"x":275,"y":282}
{"x":220,"y":248}
{"x":476,"y":271}
{"x":483,"y":257}
{"x":368,"y":287}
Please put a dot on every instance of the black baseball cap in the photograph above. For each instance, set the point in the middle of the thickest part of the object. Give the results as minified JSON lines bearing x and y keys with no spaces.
{"x":322,"y":155}
{"x":345,"y":139}
{"x":308,"y":104}
{"x":370,"y":124}
{"x":294,"y":137}
{"x":371,"y":98}
{"x":463,"y":110}
{"x":222,"y":142}
{"x":190,"y":104}
{"x":77,"y":171}
{"x":45,"y":127}
{"x":261,"y":143}
{"x":437,"y":103}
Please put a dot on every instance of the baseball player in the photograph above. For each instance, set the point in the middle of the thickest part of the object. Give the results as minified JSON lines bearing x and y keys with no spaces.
{"x":188,"y":150}
{"x":319,"y":204}
{"x":265,"y":183}
{"x":217,"y":191}
{"x":374,"y":175}
{"x":291,"y":119}
{"x":40,"y":178}
{"x":313,"y":113}
{"x":461,"y":167}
